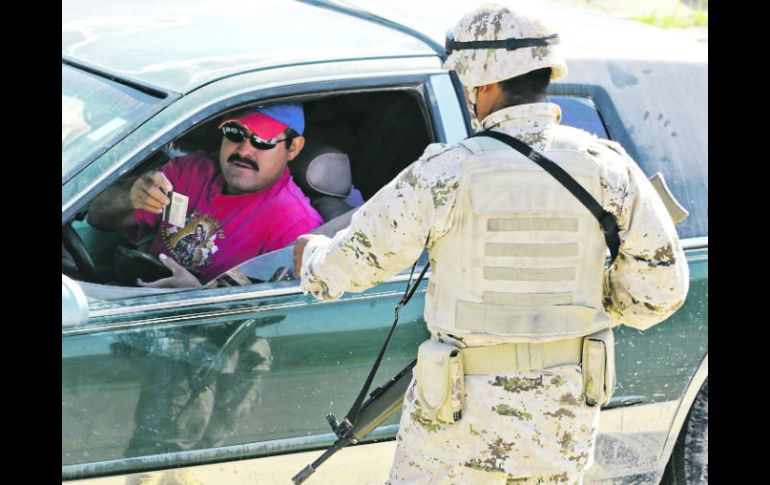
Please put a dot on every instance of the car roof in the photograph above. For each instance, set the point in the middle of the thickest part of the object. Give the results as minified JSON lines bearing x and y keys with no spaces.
{"x":180,"y":45}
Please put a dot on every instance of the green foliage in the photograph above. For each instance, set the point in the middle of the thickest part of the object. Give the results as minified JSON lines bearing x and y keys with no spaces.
{"x":678,"y":18}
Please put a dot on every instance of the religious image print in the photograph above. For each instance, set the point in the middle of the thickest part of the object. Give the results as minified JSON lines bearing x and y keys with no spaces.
{"x":194,"y":244}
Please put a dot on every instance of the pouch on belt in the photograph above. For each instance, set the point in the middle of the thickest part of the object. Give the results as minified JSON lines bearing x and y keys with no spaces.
{"x":598,"y":367}
{"x":440,"y":381}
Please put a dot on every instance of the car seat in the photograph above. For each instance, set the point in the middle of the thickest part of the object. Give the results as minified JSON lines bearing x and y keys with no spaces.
{"x":323,"y":173}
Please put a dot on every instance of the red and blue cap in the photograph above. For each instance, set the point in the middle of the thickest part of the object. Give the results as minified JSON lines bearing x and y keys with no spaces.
{"x":267,"y":122}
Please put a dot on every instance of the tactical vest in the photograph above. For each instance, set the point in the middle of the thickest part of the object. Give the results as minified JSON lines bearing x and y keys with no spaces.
{"x":524,"y":259}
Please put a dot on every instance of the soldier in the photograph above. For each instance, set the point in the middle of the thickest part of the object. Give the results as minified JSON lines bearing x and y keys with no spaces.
{"x":509,"y":386}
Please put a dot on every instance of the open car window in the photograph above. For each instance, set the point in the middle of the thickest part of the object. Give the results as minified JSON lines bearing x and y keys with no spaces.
{"x":352,"y":124}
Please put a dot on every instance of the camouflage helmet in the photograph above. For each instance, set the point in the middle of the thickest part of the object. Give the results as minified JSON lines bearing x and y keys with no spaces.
{"x":522,"y":44}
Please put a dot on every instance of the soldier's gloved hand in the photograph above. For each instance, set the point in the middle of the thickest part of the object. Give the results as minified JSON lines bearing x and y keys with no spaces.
{"x":148,"y":192}
{"x":180,"y":277}
{"x":299,"y":248}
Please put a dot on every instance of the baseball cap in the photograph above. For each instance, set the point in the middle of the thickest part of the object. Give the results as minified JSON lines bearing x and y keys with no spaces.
{"x":267,"y":122}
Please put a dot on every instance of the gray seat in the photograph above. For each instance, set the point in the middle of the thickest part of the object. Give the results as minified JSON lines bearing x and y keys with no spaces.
{"x":323,"y":173}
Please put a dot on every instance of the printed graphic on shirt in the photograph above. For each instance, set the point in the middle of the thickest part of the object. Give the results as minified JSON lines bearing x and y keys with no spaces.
{"x":193,"y":245}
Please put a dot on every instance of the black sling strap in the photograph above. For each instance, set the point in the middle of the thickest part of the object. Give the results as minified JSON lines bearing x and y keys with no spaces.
{"x":346,"y":425}
{"x":607,"y":220}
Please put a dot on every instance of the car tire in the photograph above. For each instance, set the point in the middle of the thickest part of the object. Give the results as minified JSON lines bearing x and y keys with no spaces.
{"x":688,"y":464}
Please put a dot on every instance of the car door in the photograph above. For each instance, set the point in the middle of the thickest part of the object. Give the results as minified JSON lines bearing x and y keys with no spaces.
{"x":161,"y":379}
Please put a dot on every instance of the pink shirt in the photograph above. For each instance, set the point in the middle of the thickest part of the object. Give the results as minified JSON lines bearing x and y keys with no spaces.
{"x":222,"y":231}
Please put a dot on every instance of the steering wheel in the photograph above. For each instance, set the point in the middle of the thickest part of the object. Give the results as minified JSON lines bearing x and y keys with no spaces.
{"x":77,"y":250}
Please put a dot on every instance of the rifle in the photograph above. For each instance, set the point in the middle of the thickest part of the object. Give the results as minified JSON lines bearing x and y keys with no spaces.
{"x":383,"y":402}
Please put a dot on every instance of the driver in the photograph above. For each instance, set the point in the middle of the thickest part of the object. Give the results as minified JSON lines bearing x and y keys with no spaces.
{"x":242,"y":206}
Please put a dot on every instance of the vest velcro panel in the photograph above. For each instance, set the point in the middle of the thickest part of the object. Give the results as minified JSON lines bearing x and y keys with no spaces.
{"x":524,"y":257}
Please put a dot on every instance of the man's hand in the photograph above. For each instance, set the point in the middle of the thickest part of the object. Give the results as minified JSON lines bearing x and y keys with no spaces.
{"x":114,"y":208}
{"x":148,"y":192}
{"x":299,"y":248}
{"x":180,"y":277}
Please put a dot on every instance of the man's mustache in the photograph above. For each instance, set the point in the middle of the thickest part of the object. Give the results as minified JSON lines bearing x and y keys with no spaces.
{"x":237,"y":158}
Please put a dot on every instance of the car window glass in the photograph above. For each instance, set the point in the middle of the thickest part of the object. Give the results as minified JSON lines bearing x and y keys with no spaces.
{"x":96,"y":112}
{"x":580,"y":112}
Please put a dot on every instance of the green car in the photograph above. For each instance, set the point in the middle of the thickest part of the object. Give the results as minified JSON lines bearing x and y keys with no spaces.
{"x":231,"y":385}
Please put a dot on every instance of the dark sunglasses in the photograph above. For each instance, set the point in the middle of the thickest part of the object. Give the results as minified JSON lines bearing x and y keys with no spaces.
{"x":237,"y":133}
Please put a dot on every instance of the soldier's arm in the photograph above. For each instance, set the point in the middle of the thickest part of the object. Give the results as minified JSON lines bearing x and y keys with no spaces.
{"x":386,"y":234}
{"x":649,"y":279}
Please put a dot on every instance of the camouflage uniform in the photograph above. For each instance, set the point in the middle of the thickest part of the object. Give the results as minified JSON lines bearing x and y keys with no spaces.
{"x":519,"y":427}
{"x":523,"y":424}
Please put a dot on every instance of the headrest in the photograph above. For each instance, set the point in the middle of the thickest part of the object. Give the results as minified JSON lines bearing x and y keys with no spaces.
{"x":321,"y":170}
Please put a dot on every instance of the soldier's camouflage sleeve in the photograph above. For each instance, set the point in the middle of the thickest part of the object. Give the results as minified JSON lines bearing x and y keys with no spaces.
{"x":649,"y":279}
{"x":389,"y":232}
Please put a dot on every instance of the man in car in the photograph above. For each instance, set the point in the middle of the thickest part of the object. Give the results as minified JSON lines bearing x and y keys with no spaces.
{"x":245,"y":204}
{"x":518,"y":271}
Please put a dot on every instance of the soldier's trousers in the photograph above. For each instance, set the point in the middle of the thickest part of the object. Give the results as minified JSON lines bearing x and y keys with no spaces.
{"x":517,"y":428}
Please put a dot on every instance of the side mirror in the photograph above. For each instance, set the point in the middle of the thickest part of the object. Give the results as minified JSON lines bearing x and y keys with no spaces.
{"x":675,"y":209}
{"x":74,"y":304}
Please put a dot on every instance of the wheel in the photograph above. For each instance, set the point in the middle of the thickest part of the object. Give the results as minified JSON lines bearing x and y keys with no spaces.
{"x":688,"y":464}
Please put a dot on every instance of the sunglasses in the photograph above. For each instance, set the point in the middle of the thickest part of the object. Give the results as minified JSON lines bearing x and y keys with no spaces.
{"x":237,"y":133}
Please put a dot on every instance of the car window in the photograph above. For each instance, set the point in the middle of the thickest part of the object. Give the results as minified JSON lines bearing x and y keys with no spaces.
{"x":96,"y":112}
{"x":580,"y":112}
{"x":344,"y":123}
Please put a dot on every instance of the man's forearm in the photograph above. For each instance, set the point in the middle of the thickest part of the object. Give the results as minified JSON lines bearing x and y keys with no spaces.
{"x":112,"y":209}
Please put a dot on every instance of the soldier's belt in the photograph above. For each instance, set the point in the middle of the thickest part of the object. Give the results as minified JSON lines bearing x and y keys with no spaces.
{"x":504,"y":358}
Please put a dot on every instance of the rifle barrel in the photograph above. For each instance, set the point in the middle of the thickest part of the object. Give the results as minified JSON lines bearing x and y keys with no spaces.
{"x":308,"y":470}
{"x":382,"y":403}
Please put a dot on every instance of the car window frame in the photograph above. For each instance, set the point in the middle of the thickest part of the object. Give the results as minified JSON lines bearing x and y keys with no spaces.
{"x":423,"y":87}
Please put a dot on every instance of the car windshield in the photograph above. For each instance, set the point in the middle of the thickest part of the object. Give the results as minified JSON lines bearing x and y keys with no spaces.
{"x":96,"y":112}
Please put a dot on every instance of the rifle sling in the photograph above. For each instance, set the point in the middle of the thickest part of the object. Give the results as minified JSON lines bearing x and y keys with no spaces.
{"x":355,"y":409}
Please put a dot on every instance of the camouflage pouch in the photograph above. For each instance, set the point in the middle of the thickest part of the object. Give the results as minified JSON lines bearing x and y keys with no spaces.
{"x":598,"y":367}
{"x":440,"y":382}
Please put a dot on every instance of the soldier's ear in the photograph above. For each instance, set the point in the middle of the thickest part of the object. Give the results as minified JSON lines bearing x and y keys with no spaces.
{"x":490,"y":89}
